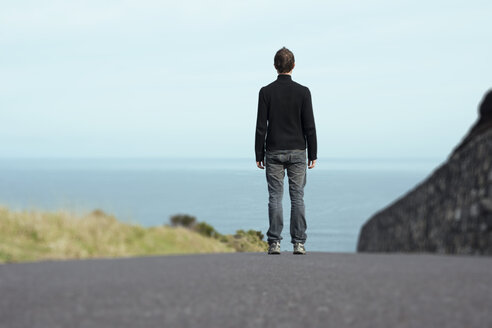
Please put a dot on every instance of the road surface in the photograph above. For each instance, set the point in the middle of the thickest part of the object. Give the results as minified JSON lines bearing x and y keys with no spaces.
{"x":250,"y":290}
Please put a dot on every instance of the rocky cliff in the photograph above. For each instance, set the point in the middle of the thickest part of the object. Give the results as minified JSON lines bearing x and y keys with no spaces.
{"x":449,"y":212}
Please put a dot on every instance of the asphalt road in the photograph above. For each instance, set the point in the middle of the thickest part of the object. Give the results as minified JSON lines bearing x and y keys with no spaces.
{"x":250,"y":290}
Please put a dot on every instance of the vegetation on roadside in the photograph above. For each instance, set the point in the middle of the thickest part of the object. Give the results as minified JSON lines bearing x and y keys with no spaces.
{"x":241,"y":241}
{"x":37,"y":235}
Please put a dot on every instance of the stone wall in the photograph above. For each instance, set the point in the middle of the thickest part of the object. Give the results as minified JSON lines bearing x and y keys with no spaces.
{"x":450,"y":212}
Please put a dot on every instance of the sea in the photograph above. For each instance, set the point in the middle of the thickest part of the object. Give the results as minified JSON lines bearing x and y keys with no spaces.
{"x":230,"y":194}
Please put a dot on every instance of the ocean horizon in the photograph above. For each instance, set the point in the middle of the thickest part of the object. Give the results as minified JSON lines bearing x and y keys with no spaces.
{"x":230,"y":194}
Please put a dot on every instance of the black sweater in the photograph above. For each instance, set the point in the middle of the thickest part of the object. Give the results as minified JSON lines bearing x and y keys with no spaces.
{"x":285,"y":117}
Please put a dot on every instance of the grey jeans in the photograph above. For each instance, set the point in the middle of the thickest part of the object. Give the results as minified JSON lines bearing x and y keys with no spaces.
{"x":276,"y":162}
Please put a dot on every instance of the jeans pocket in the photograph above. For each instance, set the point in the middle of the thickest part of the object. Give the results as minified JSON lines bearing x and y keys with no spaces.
{"x":298,"y":157}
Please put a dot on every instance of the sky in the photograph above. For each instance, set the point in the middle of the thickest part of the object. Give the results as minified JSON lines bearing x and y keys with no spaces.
{"x":389,"y":79}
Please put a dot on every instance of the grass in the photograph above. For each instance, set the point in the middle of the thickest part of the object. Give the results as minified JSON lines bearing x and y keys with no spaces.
{"x":36,"y":235}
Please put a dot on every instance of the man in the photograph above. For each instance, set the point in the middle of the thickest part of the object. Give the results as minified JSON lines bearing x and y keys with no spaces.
{"x":285,"y":117}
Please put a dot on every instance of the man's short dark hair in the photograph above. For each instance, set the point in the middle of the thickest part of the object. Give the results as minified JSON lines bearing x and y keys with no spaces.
{"x":284,"y":60}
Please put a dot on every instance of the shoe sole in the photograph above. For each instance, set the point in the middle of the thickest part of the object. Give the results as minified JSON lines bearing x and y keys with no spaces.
{"x":299,"y":253}
{"x":273,"y":253}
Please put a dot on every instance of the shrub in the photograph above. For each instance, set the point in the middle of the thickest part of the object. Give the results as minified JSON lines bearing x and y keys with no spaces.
{"x":241,"y":241}
{"x":251,"y":234}
{"x":183,"y":220}
{"x":190,"y":222}
{"x":206,"y":230}
{"x":256,"y":233}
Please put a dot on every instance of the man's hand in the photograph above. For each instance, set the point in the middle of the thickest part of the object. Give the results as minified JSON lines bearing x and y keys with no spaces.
{"x":261,"y":165}
{"x":311,"y":164}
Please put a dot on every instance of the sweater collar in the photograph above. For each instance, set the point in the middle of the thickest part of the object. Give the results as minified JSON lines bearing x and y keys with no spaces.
{"x":284,"y":77}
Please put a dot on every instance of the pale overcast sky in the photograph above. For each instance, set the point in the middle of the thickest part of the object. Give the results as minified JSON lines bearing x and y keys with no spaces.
{"x":145,"y":78}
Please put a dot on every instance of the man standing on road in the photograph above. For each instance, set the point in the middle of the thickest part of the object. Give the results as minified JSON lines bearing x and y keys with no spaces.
{"x":285,"y":118}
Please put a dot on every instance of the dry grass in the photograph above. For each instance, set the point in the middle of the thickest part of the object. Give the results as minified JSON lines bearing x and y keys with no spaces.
{"x":35,"y":235}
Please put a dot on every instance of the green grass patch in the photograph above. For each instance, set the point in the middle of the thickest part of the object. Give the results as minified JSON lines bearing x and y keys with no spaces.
{"x":38,"y":235}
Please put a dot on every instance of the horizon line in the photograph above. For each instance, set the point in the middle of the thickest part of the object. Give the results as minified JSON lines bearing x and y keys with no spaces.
{"x":336,"y":158}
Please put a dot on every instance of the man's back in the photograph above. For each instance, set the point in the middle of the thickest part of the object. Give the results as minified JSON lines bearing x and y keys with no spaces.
{"x":285,"y":116}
